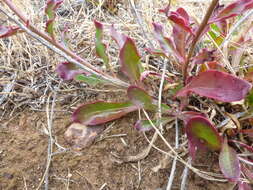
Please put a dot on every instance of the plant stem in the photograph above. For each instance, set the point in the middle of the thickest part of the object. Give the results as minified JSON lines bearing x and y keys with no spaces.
{"x":197,"y":36}
{"x":59,"y":46}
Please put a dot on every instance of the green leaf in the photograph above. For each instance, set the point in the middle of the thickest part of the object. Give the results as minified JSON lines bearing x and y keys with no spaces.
{"x":91,"y":80}
{"x":130,"y":61}
{"x":229,"y":162}
{"x":52,"y":5}
{"x":101,"y":112}
{"x":249,"y":100}
{"x":142,"y":99}
{"x":201,"y":133}
{"x":100,"y":46}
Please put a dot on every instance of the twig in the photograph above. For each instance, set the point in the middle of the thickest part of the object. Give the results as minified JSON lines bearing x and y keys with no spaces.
{"x":173,"y":167}
{"x":103,"y":186}
{"x":7,"y":90}
{"x":160,"y":97}
{"x":50,"y":141}
{"x":185,"y":175}
{"x":196,"y":38}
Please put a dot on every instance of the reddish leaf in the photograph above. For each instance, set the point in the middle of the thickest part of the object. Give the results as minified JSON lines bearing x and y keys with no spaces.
{"x":167,"y":45}
{"x":68,"y":71}
{"x":182,"y":19}
{"x":6,"y":31}
{"x":81,"y":136}
{"x":187,"y":115}
{"x":201,"y":134}
{"x":179,"y":38}
{"x":217,"y":85}
{"x":100,"y":46}
{"x":118,"y":37}
{"x":140,"y":98}
{"x":234,"y":9}
{"x":204,"y":56}
{"x":156,"y":52}
{"x":229,"y":162}
{"x":130,"y":61}
{"x":101,"y":112}
{"x":52,"y":5}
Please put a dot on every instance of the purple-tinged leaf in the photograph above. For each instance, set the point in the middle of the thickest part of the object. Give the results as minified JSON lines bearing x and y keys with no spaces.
{"x":187,"y":115}
{"x":234,"y":9}
{"x":68,"y":71}
{"x":243,"y":186}
{"x":130,"y":61}
{"x":118,"y":37}
{"x":204,"y":56}
{"x":141,"y":98}
{"x":50,"y":9}
{"x":202,"y":134}
{"x":167,"y":44}
{"x":144,"y":125}
{"x":179,"y":38}
{"x":182,"y":19}
{"x":6,"y":31}
{"x":100,"y":46}
{"x":229,"y":162}
{"x":217,"y":85}
{"x":156,"y":52}
{"x":101,"y":112}
{"x":80,"y":136}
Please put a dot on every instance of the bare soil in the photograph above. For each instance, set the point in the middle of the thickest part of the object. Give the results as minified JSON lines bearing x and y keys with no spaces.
{"x":23,"y":156}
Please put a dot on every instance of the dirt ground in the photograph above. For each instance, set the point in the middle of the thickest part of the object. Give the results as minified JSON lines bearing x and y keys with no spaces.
{"x":24,"y":140}
{"x":23,"y":156}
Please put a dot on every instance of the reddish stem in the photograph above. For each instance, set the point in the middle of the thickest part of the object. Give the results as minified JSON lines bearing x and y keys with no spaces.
{"x":197,"y":36}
